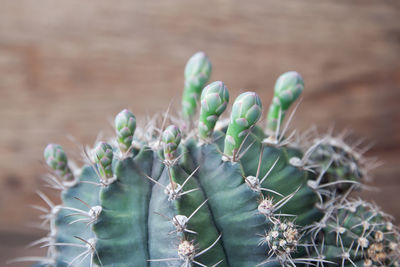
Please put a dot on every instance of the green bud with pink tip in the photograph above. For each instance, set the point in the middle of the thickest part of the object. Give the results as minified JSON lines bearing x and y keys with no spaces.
{"x":171,"y":138}
{"x":197,"y":73}
{"x":103,"y":156}
{"x":246,"y":111}
{"x":214,"y":99}
{"x":125,"y":125}
{"x":288,"y":88}
{"x":57,"y":160}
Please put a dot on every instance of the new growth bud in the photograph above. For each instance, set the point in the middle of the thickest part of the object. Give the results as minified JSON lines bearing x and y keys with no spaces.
{"x":197,"y":73}
{"x":56,"y":158}
{"x":171,"y":138}
{"x":125,"y":125}
{"x":103,"y":156}
{"x":288,"y":88}
{"x":246,"y":111}
{"x":214,"y":99}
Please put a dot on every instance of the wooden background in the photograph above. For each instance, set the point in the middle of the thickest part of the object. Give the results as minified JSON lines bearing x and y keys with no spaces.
{"x":66,"y":67}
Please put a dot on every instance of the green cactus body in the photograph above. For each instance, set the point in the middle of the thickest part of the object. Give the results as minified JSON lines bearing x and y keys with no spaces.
{"x":70,"y":223}
{"x":213,"y":196}
{"x":122,"y":226}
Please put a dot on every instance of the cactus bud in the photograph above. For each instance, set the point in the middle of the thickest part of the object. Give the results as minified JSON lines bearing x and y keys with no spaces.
{"x":103,"y":156}
{"x":246,"y":111}
{"x":214,"y":100}
{"x":125,"y":125}
{"x":57,"y":160}
{"x":288,"y":88}
{"x":171,"y":138}
{"x":197,"y":73}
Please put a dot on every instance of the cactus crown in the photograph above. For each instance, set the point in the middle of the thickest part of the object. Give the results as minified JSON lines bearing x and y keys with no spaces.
{"x":232,"y":194}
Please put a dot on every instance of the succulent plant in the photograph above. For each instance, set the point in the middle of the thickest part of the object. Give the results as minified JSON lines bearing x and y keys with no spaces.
{"x":227,"y":193}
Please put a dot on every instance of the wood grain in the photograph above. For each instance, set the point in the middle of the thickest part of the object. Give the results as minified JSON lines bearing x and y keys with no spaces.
{"x":68,"y":66}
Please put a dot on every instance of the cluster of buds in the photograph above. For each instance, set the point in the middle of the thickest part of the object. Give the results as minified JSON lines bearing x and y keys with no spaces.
{"x":103,"y":156}
{"x":125,"y":125}
{"x":171,"y":139}
{"x":381,"y":251}
{"x":282,"y":238}
{"x":56,"y":158}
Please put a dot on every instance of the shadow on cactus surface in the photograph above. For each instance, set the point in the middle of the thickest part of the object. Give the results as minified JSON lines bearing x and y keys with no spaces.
{"x":196,"y":190}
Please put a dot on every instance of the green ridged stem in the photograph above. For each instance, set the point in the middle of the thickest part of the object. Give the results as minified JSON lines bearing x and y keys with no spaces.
{"x":233,"y":206}
{"x":214,"y":99}
{"x":103,"y":156}
{"x":288,"y":88}
{"x":121,"y":229}
{"x":56,"y":158}
{"x":125,"y":125}
{"x":162,"y":230}
{"x":246,"y":111}
{"x":197,"y":73}
{"x":171,"y":137}
{"x":65,"y":231}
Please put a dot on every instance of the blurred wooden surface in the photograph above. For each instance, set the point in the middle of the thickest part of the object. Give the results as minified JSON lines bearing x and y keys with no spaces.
{"x":68,"y":66}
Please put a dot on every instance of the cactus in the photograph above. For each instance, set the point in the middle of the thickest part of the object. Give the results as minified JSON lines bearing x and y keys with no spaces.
{"x":228,"y":194}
